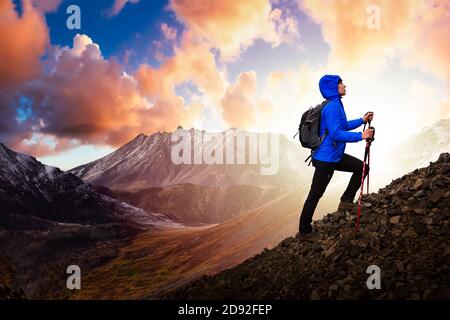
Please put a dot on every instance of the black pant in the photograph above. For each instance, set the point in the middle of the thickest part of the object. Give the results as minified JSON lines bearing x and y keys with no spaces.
{"x":322,"y":176}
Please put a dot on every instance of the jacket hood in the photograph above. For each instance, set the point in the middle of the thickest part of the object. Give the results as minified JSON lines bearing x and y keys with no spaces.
{"x":328,"y":86}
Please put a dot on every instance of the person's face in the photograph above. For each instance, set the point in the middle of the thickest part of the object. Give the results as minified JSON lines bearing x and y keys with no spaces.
{"x":341,"y":88}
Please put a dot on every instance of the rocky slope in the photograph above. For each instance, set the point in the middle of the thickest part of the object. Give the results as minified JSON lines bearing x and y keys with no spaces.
{"x":7,"y":293}
{"x":404,"y":230}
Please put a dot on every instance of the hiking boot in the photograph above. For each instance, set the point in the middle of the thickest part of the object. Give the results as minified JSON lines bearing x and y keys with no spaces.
{"x":310,"y":237}
{"x":347,"y":206}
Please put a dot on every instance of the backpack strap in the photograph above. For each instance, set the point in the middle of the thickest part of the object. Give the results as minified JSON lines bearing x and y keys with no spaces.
{"x":310,"y":156}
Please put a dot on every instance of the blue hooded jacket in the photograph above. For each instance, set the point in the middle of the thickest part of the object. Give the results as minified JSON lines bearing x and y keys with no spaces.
{"x":335,"y":120}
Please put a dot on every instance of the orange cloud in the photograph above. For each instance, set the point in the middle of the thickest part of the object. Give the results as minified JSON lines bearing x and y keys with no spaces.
{"x":118,"y":6}
{"x":23,"y":41}
{"x":241,"y":107}
{"x":413,"y":29}
{"x":238,"y":107}
{"x":88,"y":99}
{"x":233,"y":25}
{"x":432,"y":47}
{"x":192,"y":61}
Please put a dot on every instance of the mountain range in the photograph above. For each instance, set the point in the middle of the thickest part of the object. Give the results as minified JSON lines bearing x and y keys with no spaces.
{"x":146,"y":162}
{"x":51,"y":219}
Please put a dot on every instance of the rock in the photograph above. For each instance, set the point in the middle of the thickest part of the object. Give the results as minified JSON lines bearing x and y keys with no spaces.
{"x":344,"y":281}
{"x":436,"y":196}
{"x":396,"y":201}
{"x":447,"y":251}
{"x":315,"y":295}
{"x":399,"y":266}
{"x":444,"y":157}
{"x":415,"y":296}
{"x":392,"y":191}
{"x":417,"y":184}
{"x":394,"y":220}
{"x":426,"y":294}
{"x":411,"y":233}
{"x":354,"y":251}
{"x":392,"y":212}
{"x":333,"y":287}
{"x":438,"y":180}
{"x":401,"y":292}
{"x":419,"y":194}
{"x":7,"y":293}
{"x":330,"y":251}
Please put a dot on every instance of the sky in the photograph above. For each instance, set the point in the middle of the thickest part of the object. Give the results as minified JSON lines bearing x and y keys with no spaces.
{"x":142,"y":66}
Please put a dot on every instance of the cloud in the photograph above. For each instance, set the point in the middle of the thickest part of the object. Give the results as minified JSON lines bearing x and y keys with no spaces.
{"x":86,"y":99}
{"x":238,"y":106}
{"x":425,"y":99}
{"x":23,"y":41}
{"x":82,"y":44}
{"x":431,"y":44}
{"x":169,"y":39}
{"x":39,"y":144}
{"x":412,"y":30}
{"x":192,"y":62}
{"x":412,"y":34}
{"x":118,"y":6}
{"x":168,"y":32}
{"x":241,"y":106}
{"x":47,"y":5}
{"x":232,"y":26}
{"x":76,"y":96}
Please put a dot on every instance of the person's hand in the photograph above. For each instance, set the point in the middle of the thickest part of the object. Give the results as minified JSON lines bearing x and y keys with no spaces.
{"x":368,"y":133}
{"x":368,"y":116}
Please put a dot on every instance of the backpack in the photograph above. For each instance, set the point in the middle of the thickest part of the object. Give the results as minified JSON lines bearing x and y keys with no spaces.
{"x":309,"y":129}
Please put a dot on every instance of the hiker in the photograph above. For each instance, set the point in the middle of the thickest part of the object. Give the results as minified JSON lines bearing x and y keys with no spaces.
{"x":330,"y":156}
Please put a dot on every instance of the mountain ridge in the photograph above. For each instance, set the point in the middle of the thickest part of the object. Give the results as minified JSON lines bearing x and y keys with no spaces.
{"x":51,"y":218}
{"x":145,"y":161}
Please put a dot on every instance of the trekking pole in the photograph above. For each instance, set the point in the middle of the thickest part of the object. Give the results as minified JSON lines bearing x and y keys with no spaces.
{"x":366,"y":155}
